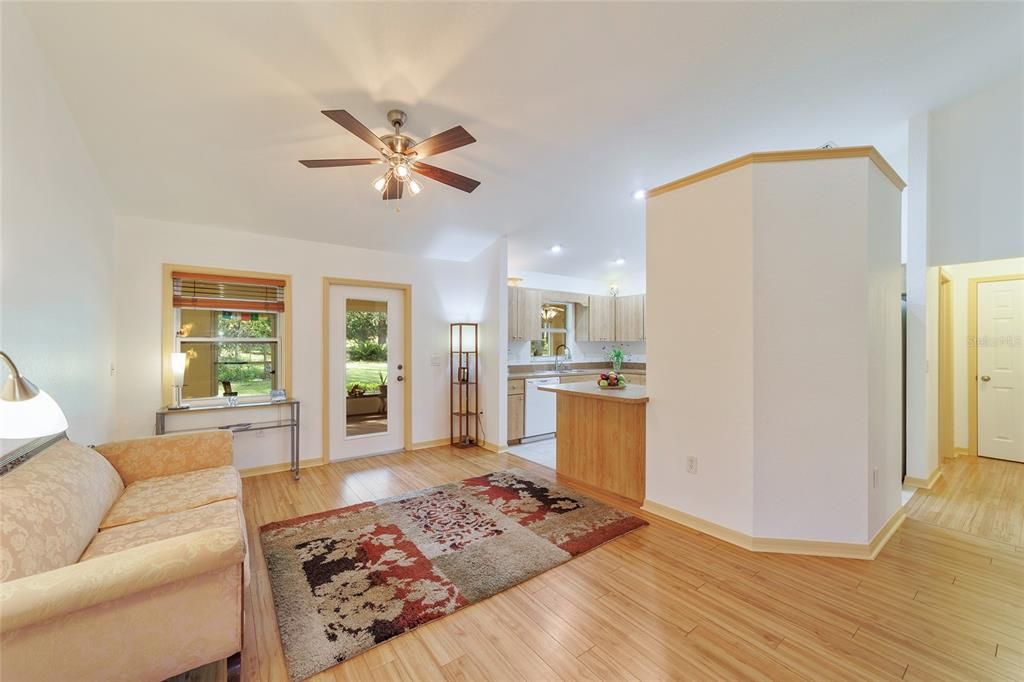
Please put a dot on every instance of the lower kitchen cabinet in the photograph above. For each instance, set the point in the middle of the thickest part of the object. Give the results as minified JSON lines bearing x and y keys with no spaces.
{"x":516,"y":417}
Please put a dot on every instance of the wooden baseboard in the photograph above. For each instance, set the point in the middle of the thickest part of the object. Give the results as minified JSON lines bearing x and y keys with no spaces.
{"x":281,"y":466}
{"x":844,"y":550}
{"x":696,"y":523}
{"x":422,"y":445}
{"x":924,"y":483}
{"x":962,"y":452}
{"x":445,"y":441}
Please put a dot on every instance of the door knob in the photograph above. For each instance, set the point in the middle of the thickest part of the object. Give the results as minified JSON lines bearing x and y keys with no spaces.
{"x":985,"y":377}
{"x":400,"y":378}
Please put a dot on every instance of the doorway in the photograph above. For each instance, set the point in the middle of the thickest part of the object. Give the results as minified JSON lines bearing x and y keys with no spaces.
{"x":366,"y":368}
{"x":996,"y":366}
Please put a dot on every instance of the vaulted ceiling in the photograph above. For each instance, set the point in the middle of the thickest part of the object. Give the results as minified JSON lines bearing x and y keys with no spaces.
{"x":198,"y":112}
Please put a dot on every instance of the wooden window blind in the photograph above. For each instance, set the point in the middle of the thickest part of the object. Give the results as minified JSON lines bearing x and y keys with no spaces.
{"x":226,"y":292}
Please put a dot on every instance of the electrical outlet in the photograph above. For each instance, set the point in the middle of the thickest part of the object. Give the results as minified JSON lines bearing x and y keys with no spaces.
{"x":691,"y":465}
{"x":435,"y":360}
{"x":874,"y":477}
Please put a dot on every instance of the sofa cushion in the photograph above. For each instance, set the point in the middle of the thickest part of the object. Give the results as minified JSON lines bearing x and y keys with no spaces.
{"x":51,"y":506}
{"x":168,"y":494}
{"x":223,"y":513}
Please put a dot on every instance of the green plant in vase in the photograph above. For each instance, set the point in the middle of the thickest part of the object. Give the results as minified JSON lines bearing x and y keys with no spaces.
{"x":616,"y":356}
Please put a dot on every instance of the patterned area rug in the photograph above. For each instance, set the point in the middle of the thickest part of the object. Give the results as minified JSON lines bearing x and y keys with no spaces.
{"x":348,"y":579}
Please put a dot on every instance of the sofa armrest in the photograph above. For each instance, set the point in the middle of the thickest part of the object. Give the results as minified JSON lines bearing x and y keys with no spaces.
{"x":174,"y":453}
{"x":40,"y":597}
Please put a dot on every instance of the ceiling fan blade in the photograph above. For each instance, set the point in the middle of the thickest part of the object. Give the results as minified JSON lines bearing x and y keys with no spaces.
{"x":446,"y":176}
{"x":443,"y":142}
{"x":330,"y":163}
{"x":393,"y":190}
{"x":349,"y":123}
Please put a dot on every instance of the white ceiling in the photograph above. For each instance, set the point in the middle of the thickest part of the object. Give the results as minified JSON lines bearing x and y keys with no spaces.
{"x":198,"y":112}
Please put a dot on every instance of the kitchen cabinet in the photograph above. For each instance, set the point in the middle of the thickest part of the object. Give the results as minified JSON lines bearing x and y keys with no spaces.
{"x":629,"y":318}
{"x":516,"y":409}
{"x":524,"y":314}
{"x":596,"y":322}
{"x":516,"y":417}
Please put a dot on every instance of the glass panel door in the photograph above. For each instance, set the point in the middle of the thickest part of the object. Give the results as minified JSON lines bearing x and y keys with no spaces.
{"x":366,"y":367}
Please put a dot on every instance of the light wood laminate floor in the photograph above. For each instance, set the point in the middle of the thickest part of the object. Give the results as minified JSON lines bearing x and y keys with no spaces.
{"x":976,"y":495}
{"x":667,"y":602}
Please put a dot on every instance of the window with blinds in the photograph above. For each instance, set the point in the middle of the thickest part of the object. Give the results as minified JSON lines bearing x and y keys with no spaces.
{"x":229,"y":329}
{"x":193,"y":290}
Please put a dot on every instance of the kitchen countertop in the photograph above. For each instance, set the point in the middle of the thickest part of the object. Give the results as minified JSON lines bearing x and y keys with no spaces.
{"x":630,"y":394}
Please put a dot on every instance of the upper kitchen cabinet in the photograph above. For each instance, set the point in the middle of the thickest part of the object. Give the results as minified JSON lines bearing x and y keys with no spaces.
{"x":524,"y":314}
{"x":629,"y":318}
{"x":596,"y":322}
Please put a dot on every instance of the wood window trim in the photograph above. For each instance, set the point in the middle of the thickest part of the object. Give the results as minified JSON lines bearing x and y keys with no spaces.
{"x":171,"y":270}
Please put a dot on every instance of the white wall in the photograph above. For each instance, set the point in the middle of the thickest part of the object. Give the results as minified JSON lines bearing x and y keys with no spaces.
{"x":773,"y":310}
{"x":885,"y":354}
{"x":57,"y":264}
{"x":962,"y":384}
{"x":491,"y":267}
{"x":921,"y":403}
{"x":545,"y":280}
{"x":966,"y":204}
{"x":700,"y":358}
{"x":811,"y":331}
{"x":976,"y":176}
{"x":442,"y":292}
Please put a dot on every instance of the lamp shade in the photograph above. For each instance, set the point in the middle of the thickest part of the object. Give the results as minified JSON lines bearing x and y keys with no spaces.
{"x":463,"y":337}
{"x":32,"y":418}
{"x":178,"y":361}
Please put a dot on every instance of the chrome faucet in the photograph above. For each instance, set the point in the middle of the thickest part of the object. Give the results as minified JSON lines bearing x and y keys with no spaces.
{"x":559,"y":362}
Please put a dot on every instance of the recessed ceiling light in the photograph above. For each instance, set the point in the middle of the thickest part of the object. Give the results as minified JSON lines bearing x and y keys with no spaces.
{"x":557,"y":248}
{"x":619,"y":261}
{"x":639,"y":194}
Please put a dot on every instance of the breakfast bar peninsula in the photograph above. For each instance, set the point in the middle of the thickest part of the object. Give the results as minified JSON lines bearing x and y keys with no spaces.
{"x":602,"y":437}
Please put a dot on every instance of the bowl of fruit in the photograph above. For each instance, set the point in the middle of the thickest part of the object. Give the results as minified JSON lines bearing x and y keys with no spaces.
{"x":612,"y":380}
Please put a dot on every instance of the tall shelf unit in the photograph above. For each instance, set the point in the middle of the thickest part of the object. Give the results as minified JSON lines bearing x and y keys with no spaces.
{"x":465,"y":388}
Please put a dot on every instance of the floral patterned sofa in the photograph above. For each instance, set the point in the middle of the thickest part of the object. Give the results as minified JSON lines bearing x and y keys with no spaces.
{"x":123,"y":562}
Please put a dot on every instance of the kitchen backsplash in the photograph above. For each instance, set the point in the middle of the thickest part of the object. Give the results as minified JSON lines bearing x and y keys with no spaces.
{"x":590,"y":351}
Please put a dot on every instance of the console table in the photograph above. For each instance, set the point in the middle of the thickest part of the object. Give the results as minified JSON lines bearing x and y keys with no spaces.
{"x":291,"y":423}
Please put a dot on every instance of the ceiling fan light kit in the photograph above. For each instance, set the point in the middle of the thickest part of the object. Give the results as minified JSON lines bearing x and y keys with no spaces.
{"x":401,"y":154}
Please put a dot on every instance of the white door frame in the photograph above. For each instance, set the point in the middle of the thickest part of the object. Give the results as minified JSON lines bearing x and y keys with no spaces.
{"x":406,"y":290}
{"x":972,"y":354}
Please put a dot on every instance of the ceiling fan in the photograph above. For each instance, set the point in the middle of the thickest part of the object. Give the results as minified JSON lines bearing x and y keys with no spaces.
{"x":401,"y":154}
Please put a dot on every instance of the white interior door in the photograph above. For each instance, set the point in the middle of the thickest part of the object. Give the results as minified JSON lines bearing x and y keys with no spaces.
{"x":367,"y":375}
{"x":1001,"y":369}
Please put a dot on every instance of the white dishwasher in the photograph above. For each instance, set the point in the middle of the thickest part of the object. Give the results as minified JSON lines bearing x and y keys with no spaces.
{"x":540,"y":408}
